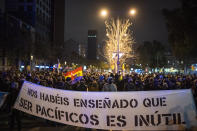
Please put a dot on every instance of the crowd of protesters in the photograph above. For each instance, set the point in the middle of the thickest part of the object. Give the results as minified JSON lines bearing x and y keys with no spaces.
{"x":11,"y":81}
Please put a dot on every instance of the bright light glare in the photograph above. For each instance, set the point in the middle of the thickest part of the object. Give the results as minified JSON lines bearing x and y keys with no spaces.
{"x":132,"y":11}
{"x":114,"y":55}
{"x":103,"y":13}
{"x":32,"y":57}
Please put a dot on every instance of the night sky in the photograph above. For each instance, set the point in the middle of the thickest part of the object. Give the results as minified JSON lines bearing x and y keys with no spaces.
{"x":148,"y":23}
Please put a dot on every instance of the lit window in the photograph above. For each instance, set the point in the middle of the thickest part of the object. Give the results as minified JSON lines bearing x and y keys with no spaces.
{"x":92,"y":36}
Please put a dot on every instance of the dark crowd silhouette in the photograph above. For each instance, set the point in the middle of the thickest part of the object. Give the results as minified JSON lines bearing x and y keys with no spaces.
{"x":11,"y":81}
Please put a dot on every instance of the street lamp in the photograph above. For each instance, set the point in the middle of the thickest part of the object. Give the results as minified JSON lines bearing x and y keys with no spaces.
{"x":104,"y":13}
{"x":132,"y":12}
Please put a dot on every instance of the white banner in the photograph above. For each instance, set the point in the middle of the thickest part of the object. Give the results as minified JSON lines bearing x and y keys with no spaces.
{"x":138,"y":110}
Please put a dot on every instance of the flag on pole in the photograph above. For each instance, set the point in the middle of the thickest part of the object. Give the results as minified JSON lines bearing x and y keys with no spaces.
{"x":58,"y":66}
{"x":76,"y":74}
{"x":123,"y":68}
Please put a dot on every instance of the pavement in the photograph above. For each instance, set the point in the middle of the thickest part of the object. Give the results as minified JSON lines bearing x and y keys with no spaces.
{"x":32,"y":123}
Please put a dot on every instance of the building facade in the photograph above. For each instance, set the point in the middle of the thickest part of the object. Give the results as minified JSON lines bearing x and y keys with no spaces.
{"x":92,"y":45}
{"x":59,"y":21}
{"x":37,"y":13}
{"x":17,"y":39}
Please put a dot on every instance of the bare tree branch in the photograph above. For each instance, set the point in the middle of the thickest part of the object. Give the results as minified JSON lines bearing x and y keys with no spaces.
{"x":125,"y":40}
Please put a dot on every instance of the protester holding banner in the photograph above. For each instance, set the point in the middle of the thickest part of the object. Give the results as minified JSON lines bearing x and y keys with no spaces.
{"x":150,"y":110}
{"x":93,"y":81}
{"x":15,"y":114}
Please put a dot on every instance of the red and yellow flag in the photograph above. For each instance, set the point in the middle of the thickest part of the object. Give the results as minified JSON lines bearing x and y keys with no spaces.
{"x":74,"y":74}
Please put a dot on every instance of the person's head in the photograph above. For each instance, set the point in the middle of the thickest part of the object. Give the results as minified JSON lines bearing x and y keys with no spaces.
{"x":130,"y":80}
{"x":68,"y":79}
{"x":101,"y":78}
{"x":111,"y":75}
{"x":110,"y":80}
{"x":60,"y":78}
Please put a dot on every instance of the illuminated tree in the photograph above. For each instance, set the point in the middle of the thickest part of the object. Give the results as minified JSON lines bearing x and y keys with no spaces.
{"x":118,"y":31}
